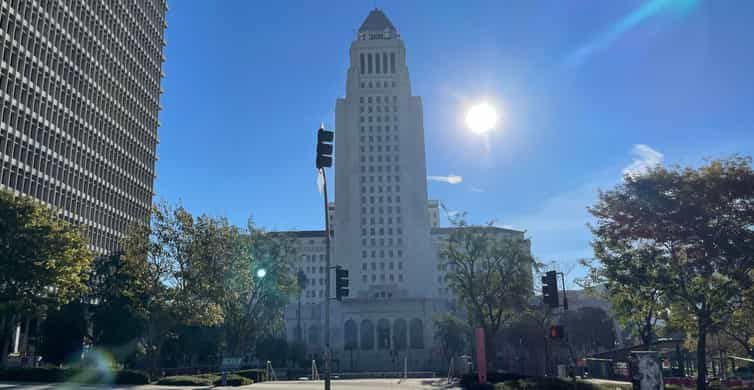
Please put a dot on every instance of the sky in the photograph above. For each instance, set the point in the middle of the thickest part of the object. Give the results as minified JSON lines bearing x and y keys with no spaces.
{"x":586,"y":90}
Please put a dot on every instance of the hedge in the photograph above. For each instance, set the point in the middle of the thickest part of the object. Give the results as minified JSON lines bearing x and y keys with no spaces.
{"x":76,"y":375}
{"x":234,"y":380}
{"x":186,"y":380}
{"x":255,"y":374}
{"x":204,"y":380}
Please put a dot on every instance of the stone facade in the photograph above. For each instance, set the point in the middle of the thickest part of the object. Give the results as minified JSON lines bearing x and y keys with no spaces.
{"x":385,"y":231}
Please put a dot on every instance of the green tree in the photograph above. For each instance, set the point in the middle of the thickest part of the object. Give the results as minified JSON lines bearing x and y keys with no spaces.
{"x":697,"y":224}
{"x":118,"y":318}
{"x":489,"y":270}
{"x":590,"y":330}
{"x":453,"y":334}
{"x":43,"y":260}
{"x":200,"y":274}
{"x":253,"y":306}
{"x":740,"y":325}
{"x":63,"y":333}
{"x":627,"y":277}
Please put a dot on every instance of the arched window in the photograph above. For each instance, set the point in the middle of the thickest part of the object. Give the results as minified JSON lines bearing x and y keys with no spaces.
{"x":367,"y":335}
{"x":362,"y":63}
{"x":350,"y":335}
{"x":392,"y":62}
{"x":369,"y":63}
{"x":383,"y":334}
{"x":417,"y":333}
{"x":384,"y":62}
{"x":400,"y":334}
{"x":314,"y":335}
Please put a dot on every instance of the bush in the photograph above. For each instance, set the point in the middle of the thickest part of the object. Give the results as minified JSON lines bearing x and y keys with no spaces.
{"x":204,"y":380}
{"x":255,"y":374}
{"x":234,"y":380}
{"x":131,"y":377}
{"x":186,"y":380}
{"x":32,"y":374}
{"x":76,"y":375}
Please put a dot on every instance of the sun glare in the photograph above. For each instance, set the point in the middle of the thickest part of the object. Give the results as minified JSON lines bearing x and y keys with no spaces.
{"x":481,"y":118}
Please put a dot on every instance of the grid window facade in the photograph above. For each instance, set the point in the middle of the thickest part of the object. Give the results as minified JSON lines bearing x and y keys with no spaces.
{"x":79,"y":105}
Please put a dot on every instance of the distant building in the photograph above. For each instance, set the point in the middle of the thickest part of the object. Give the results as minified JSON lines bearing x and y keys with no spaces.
{"x":79,"y":104}
{"x":386,"y":233}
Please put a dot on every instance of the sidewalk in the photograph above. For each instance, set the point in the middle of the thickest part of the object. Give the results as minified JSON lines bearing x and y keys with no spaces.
{"x":50,"y":386}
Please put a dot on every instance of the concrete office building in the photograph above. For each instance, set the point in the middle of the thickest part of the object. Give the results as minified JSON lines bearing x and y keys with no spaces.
{"x":385,"y":231}
{"x":79,"y":105}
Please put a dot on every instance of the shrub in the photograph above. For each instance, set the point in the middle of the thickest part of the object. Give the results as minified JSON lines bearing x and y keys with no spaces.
{"x":76,"y":375}
{"x":234,"y":380}
{"x":255,"y":374}
{"x":186,"y":380}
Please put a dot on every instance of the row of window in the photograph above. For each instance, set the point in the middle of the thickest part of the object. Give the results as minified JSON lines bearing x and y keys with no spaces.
{"x":44,"y":147}
{"x":377,"y":118}
{"x":378,"y":109}
{"x":379,"y":148}
{"x":52,"y":184}
{"x":96,"y":52}
{"x":109,"y":26}
{"x":97,"y":101}
{"x":377,"y":84}
{"x":382,"y":221}
{"x":377,"y":63}
{"x":391,"y":278}
{"x":380,"y":168}
{"x":80,"y":93}
{"x":53,"y":192}
{"x":398,"y":337}
{"x":380,"y":199}
{"x":379,"y":242}
{"x":380,"y":158}
{"x":390,"y":265}
{"x":378,"y":138}
{"x":377,"y":99}
{"x":312,"y":258}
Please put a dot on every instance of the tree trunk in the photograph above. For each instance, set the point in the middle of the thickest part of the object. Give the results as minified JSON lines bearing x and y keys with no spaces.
{"x":701,"y":354}
{"x":8,"y":328}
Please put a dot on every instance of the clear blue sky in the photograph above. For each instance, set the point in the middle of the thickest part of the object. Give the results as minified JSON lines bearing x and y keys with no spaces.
{"x":586,"y":88}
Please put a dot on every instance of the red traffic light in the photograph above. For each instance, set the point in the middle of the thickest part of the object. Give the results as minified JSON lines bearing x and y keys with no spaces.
{"x":557,"y":332}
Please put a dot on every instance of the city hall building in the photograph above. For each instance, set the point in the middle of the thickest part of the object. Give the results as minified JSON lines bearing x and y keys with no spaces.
{"x":385,"y":231}
{"x":79,"y":101}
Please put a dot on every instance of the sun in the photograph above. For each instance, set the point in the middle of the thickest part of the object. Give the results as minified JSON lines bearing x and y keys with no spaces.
{"x":481,"y":118}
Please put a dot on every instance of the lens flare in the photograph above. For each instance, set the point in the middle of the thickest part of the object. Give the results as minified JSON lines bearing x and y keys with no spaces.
{"x":481,"y":118}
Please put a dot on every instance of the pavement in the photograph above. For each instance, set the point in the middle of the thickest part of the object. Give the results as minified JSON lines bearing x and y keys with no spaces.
{"x":345,"y":384}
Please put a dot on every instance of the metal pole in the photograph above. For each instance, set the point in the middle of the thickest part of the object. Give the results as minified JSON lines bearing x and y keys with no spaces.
{"x":327,"y":286}
{"x":565,"y":297}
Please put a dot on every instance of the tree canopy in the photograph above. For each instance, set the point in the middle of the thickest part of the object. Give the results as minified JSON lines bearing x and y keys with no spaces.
{"x":686,"y":234}
{"x":490,"y":271}
{"x":44,"y":260}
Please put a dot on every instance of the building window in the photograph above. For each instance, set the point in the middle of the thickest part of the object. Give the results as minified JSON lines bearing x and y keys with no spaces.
{"x":369,"y":63}
{"x":392,"y":64}
{"x":367,"y":335}
{"x":362,"y":63}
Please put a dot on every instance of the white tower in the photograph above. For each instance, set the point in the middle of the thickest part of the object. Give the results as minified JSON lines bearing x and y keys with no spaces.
{"x":382,"y":227}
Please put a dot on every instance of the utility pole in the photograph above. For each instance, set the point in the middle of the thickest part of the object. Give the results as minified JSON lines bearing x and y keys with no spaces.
{"x":324,"y":160}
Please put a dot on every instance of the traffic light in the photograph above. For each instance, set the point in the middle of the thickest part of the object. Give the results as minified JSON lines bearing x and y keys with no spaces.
{"x":557,"y":332}
{"x":341,"y":282}
{"x":550,"y":289}
{"x":324,"y":148}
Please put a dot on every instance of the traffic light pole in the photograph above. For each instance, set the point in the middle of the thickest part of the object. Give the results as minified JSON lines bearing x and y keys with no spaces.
{"x":328,"y":350}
